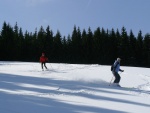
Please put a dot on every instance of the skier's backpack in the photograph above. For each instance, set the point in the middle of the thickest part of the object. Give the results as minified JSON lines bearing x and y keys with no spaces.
{"x":112,"y":67}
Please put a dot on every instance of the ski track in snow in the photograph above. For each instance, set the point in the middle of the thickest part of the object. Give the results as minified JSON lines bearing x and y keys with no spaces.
{"x":72,"y":84}
{"x":143,"y":89}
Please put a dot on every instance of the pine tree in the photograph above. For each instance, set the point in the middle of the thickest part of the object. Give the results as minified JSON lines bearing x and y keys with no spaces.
{"x":57,"y":47}
{"x":84,"y":46}
{"x":132,"y":49}
{"x":49,"y":42}
{"x":90,"y":46}
{"x":124,"y":47}
{"x":139,"y":49}
{"x":147,"y":50}
{"x":97,"y":45}
{"x":113,"y":46}
{"x":7,"y":42}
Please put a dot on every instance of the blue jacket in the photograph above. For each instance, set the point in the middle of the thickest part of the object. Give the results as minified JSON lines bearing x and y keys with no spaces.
{"x":117,"y":68}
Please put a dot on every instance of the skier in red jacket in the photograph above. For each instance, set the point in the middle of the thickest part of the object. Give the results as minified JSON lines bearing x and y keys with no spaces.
{"x":43,"y":60}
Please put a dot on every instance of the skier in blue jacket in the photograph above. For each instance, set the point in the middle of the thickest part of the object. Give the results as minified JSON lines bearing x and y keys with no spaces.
{"x":115,"y":71}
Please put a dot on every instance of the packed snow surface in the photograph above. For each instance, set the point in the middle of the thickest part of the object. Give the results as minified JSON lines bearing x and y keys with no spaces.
{"x":72,"y":88}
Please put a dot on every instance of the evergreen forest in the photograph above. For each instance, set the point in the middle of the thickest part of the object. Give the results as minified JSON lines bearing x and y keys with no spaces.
{"x":101,"y":46}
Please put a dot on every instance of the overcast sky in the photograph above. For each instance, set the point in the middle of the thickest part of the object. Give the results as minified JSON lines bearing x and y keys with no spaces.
{"x":62,"y":15}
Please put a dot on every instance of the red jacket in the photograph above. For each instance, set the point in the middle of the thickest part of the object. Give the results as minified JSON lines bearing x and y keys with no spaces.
{"x":43,"y":59}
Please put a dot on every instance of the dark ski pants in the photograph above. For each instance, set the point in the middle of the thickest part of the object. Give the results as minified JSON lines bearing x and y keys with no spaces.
{"x":43,"y":64}
{"x":117,"y":77}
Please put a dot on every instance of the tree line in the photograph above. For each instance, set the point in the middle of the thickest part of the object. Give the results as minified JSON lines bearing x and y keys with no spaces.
{"x":102,"y":46}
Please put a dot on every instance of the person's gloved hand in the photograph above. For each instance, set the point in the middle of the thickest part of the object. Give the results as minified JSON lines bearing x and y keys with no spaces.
{"x":122,"y":70}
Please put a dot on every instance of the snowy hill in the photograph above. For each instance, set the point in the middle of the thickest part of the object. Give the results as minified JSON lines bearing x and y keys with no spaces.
{"x":71,"y":88}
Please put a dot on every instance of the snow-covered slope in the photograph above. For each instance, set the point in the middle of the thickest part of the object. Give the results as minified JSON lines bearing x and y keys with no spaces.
{"x":71,"y":88}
